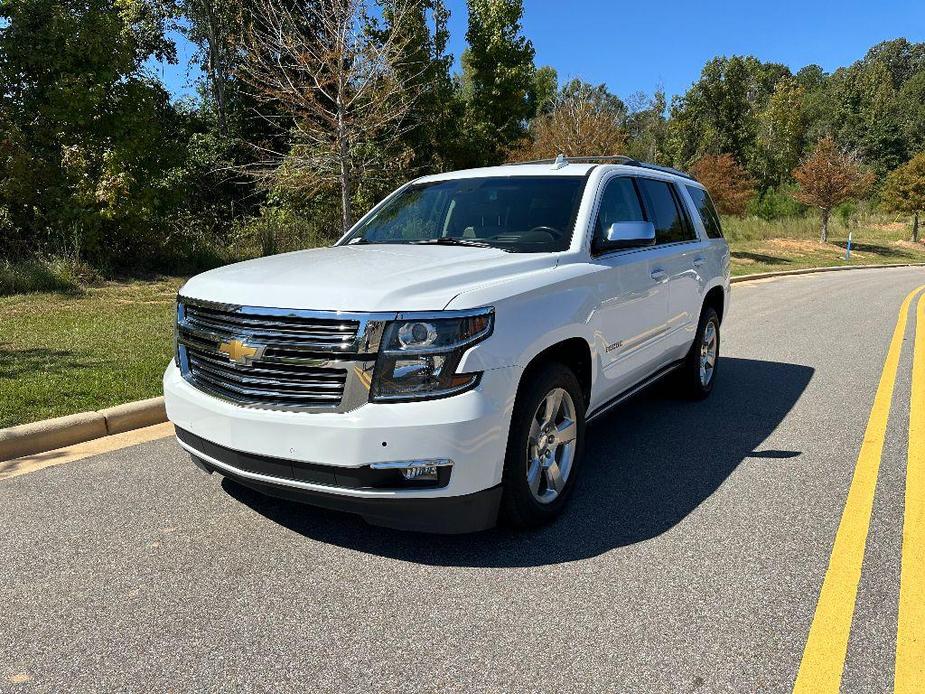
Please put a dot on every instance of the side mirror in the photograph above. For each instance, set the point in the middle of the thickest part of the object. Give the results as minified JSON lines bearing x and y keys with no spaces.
{"x":629,"y":235}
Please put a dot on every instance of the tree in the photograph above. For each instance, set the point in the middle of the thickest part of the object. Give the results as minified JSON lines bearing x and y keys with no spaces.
{"x":344,"y":92}
{"x":422,"y":62}
{"x":498,"y":76}
{"x":91,"y":141}
{"x":215,"y":27}
{"x":904,"y":190}
{"x":829,"y":176}
{"x":719,"y":113}
{"x":729,"y":184}
{"x":585,"y":121}
{"x":781,"y":134}
{"x":647,"y":127}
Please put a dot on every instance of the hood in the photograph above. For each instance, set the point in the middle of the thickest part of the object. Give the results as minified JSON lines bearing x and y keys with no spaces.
{"x":363,"y":278}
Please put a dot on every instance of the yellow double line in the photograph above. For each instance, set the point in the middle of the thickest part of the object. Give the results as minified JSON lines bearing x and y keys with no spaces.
{"x":827,"y":645}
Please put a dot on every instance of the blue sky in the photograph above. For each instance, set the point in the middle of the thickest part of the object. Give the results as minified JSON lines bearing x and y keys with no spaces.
{"x":634,"y":46}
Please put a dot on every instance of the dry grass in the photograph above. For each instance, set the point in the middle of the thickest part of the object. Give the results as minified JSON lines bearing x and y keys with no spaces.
{"x":761,"y":246}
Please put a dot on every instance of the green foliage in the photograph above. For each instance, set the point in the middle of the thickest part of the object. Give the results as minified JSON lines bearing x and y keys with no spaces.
{"x":719,"y":114}
{"x":498,"y":78}
{"x":60,"y":274}
{"x":775,"y":203}
{"x":431,"y":140}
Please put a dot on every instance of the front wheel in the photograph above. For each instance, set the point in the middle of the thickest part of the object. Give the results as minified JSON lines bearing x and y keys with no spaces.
{"x":544,"y":447}
{"x":698,"y":373}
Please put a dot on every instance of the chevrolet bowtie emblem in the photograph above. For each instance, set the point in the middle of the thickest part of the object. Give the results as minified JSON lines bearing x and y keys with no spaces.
{"x":240,"y":352}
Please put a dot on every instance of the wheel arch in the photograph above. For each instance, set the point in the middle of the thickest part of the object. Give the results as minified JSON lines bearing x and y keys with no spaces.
{"x":572,"y":352}
{"x":715,"y":298}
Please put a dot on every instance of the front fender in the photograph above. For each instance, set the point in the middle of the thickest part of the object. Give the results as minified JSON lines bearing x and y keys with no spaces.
{"x":528,"y":322}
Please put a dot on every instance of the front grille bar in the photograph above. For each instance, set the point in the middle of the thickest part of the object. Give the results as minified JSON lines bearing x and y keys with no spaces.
{"x":317,"y":361}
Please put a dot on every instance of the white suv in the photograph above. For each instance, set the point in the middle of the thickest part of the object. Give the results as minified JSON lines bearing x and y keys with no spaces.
{"x":437,"y":366}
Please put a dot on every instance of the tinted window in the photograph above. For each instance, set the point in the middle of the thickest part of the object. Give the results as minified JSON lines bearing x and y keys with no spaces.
{"x":670,"y":223}
{"x":707,"y":212}
{"x":620,"y":203}
{"x":523,"y":214}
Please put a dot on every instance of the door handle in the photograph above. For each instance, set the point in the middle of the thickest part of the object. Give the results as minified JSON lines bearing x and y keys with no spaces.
{"x":659,"y":275}
{"x":699,"y":261}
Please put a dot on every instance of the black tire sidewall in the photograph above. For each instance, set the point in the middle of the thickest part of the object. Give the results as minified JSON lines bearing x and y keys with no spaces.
{"x":519,"y":507}
{"x":692,"y":368}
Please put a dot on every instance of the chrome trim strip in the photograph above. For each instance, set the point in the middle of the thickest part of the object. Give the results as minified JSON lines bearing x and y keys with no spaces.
{"x":408,"y":464}
{"x":627,"y":394}
{"x":310,"y":486}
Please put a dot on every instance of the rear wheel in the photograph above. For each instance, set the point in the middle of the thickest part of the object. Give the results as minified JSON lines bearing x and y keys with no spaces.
{"x":698,"y":374}
{"x":544,"y":447}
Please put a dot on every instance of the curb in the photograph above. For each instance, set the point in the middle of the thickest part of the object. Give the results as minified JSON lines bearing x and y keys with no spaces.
{"x":813,"y":270}
{"x":49,"y":434}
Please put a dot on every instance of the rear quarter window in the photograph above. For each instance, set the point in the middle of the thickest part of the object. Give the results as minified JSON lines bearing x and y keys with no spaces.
{"x":707,"y":211}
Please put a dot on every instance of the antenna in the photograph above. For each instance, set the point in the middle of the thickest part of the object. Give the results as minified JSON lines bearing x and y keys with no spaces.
{"x":560,"y":162}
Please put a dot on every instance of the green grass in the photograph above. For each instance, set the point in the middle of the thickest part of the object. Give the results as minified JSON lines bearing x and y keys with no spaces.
{"x":87,"y":348}
{"x":43,"y":275}
{"x":62,"y":353}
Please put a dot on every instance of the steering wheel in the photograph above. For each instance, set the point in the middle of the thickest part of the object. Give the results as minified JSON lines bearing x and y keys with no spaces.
{"x":555,"y":233}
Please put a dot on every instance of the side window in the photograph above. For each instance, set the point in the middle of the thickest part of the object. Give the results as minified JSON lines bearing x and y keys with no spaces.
{"x":620,"y":203}
{"x":707,"y":212}
{"x":671,"y":225}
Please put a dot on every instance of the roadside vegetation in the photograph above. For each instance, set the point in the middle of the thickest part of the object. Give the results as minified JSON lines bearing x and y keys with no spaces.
{"x":72,"y":352}
{"x":106,"y":178}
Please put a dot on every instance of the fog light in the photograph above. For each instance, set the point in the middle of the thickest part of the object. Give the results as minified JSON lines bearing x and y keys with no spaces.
{"x":419,"y":470}
{"x":424,"y":473}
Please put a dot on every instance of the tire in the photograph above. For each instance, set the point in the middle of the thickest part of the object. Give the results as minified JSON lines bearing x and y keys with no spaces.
{"x":696,"y":380}
{"x":524,"y":505}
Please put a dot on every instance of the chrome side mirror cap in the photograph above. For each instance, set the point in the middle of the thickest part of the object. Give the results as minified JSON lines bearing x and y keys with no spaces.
{"x":630,"y":234}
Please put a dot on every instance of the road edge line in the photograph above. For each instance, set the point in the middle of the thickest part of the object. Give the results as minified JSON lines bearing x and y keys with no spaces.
{"x":909,"y":671}
{"x":826,"y":648}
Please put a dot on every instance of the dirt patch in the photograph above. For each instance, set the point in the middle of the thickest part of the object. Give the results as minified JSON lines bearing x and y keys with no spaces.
{"x":891,"y":226}
{"x":801,"y":247}
{"x":909,"y":245}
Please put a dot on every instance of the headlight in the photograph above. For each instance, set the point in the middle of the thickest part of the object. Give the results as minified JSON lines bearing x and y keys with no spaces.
{"x":420,"y":353}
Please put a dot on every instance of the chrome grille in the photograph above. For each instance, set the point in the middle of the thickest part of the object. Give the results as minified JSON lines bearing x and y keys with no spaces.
{"x":296,"y":360}
{"x":286,"y":331}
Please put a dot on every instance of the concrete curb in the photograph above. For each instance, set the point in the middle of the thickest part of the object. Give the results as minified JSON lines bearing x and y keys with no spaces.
{"x":49,"y":434}
{"x":38,"y":437}
{"x":813,"y":270}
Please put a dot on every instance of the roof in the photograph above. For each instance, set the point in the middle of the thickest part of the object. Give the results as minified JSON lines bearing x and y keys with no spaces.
{"x":561,"y":166}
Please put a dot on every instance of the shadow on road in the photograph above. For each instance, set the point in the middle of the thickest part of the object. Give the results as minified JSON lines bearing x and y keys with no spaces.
{"x":647,"y":465}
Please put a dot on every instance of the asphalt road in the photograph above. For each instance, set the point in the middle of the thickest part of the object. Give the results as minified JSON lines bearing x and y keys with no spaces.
{"x":691,"y":558}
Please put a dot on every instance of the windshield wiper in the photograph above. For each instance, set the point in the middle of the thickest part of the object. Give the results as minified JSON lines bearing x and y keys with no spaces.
{"x":453,"y":241}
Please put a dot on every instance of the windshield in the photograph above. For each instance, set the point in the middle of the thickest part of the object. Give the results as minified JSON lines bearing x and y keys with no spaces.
{"x":528,"y":214}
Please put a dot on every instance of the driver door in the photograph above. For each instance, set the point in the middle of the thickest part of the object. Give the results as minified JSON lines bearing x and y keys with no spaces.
{"x":632,"y":317}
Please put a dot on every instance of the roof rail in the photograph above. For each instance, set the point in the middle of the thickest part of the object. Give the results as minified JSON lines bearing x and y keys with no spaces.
{"x":561,"y":161}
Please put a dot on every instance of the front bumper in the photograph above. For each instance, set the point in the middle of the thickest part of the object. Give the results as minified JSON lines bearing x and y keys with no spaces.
{"x":470,"y":429}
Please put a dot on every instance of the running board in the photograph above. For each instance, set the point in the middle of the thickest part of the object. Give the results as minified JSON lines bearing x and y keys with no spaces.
{"x":642,"y":385}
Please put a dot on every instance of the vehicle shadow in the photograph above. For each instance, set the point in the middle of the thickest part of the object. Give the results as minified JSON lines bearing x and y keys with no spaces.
{"x":647,"y":465}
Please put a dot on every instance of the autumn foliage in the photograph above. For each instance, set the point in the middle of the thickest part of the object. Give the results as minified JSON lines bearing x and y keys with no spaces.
{"x":829,"y":176}
{"x":730,"y":186}
{"x":585,"y":121}
{"x":904,"y":190}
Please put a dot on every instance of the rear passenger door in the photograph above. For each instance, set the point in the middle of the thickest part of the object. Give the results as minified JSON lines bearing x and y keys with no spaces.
{"x":678,"y":255}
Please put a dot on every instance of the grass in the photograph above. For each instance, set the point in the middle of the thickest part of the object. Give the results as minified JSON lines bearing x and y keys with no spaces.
{"x":56,"y":274}
{"x":760,"y":246}
{"x":66,"y":353}
{"x":84,"y":348}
